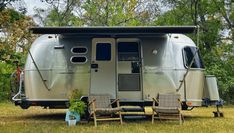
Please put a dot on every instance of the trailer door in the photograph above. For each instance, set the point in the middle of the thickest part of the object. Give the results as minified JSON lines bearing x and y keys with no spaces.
{"x":129,"y":69}
{"x":103,"y":67}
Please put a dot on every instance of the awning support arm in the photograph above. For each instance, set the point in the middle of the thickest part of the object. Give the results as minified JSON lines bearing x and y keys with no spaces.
{"x":43,"y":80}
{"x":190,"y":65}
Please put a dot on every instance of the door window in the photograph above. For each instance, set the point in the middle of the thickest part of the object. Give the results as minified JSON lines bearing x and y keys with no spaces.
{"x":103,"y":51}
{"x":128,"y":51}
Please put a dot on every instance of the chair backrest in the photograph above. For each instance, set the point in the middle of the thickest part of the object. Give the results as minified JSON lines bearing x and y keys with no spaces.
{"x":102,"y":101}
{"x":168,"y":100}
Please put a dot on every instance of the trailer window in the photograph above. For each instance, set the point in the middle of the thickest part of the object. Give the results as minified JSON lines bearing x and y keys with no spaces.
{"x":129,"y":82}
{"x":103,"y":51}
{"x":78,"y":59}
{"x":189,"y":53}
{"x":79,"y":50}
{"x":128,"y":51}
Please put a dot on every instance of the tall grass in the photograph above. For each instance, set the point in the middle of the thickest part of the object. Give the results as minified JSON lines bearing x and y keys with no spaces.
{"x":36,"y":119}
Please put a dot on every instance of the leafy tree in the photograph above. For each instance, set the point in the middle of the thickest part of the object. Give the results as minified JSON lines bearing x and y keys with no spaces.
{"x":60,"y":13}
{"x":119,"y":12}
{"x":214,"y":18}
{"x":100,"y":13}
{"x":14,"y":32}
{"x":13,"y":35}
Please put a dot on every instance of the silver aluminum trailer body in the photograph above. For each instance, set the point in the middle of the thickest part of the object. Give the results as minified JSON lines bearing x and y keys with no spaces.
{"x":132,"y":66}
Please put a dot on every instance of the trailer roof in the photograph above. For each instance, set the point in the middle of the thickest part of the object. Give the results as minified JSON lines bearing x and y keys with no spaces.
{"x":114,"y":30}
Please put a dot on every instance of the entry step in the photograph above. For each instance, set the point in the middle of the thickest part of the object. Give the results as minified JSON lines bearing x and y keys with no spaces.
{"x":132,"y":109}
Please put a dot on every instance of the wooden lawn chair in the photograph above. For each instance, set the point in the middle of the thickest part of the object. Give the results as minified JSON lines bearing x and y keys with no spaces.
{"x":169,"y":107}
{"x":101,"y":109}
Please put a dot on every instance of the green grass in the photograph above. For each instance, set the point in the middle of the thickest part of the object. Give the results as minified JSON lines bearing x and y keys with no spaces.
{"x":35,"y":119}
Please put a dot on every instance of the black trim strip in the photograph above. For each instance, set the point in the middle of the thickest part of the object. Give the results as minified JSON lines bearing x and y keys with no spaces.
{"x":114,"y":30}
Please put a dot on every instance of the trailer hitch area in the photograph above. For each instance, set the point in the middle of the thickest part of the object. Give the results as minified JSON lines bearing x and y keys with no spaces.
{"x":218,"y":103}
{"x":217,"y":113}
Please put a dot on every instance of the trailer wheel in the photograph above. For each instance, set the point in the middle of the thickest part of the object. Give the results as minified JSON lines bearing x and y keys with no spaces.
{"x":24,"y":105}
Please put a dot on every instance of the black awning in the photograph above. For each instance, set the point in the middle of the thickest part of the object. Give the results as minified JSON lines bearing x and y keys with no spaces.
{"x":114,"y":30}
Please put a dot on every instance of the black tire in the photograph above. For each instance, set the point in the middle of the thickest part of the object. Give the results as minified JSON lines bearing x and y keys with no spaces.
{"x":24,"y":105}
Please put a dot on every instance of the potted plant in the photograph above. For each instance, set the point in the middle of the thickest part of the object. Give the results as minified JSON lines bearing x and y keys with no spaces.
{"x":76,"y":108}
{"x":72,"y":120}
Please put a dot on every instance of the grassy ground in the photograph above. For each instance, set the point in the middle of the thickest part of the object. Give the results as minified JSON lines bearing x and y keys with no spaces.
{"x":36,"y":119}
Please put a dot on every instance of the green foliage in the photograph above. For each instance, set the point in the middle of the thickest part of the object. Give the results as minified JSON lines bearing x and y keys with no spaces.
{"x":217,"y":54}
{"x":101,"y":13}
{"x":118,"y":12}
{"x":220,"y":63}
{"x":13,"y":25}
{"x":15,"y":15}
{"x":56,"y":18}
{"x":7,"y":67}
{"x":76,"y":105}
{"x":5,"y":73}
{"x":171,"y":18}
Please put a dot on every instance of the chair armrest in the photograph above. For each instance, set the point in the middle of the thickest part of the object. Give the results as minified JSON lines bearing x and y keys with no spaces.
{"x":115,"y":101}
{"x":180,"y":102}
{"x":93,"y":107}
{"x":91,"y":102}
{"x":154,"y":101}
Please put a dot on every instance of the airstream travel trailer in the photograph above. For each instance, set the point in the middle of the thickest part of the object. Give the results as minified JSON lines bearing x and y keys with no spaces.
{"x":133,"y":64}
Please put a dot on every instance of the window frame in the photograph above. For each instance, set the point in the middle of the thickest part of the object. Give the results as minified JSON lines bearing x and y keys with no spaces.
{"x":131,"y":53}
{"x":184,"y":56}
{"x":79,"y":47}
{"x":79,"y":62}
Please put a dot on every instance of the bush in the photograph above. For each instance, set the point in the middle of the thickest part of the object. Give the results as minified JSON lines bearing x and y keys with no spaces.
{"x":5,"y":73}
{"x":222,"y":66}
{"x":4,"y":87}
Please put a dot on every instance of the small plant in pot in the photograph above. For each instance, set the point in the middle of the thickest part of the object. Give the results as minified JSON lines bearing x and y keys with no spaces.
{"x":76,"y":108}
